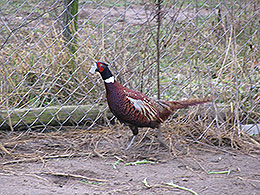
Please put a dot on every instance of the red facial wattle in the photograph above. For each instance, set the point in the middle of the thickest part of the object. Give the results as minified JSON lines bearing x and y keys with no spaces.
{"x":100,"y":67}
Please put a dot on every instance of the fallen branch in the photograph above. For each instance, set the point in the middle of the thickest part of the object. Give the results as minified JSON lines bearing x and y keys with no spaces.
{"x":72,"y":175}
{"x":52,"y":115}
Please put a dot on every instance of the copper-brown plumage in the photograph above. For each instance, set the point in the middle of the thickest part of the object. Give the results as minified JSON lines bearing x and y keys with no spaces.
{"x":136,"y":109}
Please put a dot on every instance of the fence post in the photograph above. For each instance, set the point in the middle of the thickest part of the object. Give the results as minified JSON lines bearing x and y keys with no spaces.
{"x":70,"y":23}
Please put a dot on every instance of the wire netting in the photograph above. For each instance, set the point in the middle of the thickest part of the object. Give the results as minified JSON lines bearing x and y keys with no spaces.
{"x":171,"y":49}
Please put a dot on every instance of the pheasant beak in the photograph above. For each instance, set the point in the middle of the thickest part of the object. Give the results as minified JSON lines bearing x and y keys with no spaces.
{"x":93,"y":69}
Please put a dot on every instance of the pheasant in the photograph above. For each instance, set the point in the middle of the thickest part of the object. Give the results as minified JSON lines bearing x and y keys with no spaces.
{"x":136,"y":109}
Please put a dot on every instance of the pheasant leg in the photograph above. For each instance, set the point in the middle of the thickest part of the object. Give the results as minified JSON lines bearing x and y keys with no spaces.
{"x":160,"y":139}
{"x":131,"y":142}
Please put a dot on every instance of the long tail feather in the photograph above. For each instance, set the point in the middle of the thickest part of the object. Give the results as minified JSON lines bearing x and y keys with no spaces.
{"x":186,"y":103}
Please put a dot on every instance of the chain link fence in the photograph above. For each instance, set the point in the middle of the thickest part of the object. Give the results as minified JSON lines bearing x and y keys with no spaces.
{"x":167,"y":49}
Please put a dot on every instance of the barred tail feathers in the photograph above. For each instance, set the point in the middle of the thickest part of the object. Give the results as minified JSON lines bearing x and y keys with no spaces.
{"x":186,"y":103}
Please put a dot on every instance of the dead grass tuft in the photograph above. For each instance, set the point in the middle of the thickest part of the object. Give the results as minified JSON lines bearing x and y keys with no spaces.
{"x":182,"y":135}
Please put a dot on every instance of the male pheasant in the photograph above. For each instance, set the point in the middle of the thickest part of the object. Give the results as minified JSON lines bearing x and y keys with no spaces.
{"x":136,"y":109}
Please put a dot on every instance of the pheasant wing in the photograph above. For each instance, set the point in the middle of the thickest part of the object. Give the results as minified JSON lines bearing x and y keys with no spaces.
{"x":148,"y":107}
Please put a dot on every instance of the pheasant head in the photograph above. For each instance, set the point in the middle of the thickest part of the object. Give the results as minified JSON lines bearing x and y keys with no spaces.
{"x":103,"y":69}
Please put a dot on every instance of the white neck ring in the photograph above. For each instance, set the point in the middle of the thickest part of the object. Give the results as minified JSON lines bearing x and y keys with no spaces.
{"x":110,"y":80}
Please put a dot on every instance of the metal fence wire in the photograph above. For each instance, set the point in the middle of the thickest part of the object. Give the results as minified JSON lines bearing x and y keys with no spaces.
{"x":171,"y":49}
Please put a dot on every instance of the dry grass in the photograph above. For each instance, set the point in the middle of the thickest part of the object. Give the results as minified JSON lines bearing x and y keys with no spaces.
{"x":181,"y":134}
{"x":40,"y":71}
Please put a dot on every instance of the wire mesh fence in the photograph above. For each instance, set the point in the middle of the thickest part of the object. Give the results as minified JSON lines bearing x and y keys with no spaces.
{"x":167,"y":49}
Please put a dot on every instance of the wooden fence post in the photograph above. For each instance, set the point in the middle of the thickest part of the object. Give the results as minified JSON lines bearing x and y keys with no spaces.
{"x":70,"y":25}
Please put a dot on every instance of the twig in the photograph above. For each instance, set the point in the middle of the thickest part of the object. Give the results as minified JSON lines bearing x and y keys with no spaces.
{"x":92,"y":183}
{"x":146,"y":183}
{"x":24,"y":174}
{"x":42,"y":158}
{"x":181,"y":187}
{"x":142,"y":138}
{"x":4,"y":149}
{"x":200,"y":165}
{"x":220,"y":172}
{"x":139,"y":162}
{"x":9,"y":118}
{"x":251,"y":180}
{"x":36,"y":176}
{"x":117,"y":163}
{"x":72,"y":175}
{"x":97,"y":153}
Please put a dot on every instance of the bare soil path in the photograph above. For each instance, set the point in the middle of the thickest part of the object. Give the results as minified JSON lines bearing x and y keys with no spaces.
{"x":69,"y":163}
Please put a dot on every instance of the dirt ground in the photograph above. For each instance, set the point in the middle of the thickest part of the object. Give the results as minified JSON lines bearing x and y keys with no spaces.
{"x":94,"y":162}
